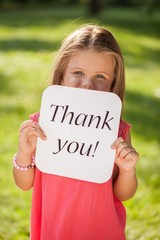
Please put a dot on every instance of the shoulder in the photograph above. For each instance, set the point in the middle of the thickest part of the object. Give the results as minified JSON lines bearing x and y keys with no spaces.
{"x":123,"y":128}
{"x":34,"y":117}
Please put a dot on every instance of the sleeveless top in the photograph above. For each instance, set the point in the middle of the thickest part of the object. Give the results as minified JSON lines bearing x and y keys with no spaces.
{"x":70,"y":209}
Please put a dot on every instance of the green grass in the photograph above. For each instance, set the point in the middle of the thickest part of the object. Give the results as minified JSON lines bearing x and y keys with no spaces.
{"x":29,"y":40}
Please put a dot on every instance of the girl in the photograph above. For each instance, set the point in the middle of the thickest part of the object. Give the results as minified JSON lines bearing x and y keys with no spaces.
{"x":65,"y":208}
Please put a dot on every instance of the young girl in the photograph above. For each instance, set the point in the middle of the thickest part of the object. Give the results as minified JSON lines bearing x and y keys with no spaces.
{"x":70,"y":209}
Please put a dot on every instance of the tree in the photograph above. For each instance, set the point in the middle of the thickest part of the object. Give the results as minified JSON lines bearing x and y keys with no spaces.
{"x":95,"y":6}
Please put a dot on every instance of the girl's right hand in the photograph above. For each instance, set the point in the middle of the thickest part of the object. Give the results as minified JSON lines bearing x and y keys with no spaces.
{"x":29,"y":131}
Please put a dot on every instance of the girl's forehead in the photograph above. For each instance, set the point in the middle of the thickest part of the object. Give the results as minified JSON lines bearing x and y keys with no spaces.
{"x":91,"y":58}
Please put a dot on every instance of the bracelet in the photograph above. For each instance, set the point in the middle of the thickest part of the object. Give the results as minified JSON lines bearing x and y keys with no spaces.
{"x":15,"y":164}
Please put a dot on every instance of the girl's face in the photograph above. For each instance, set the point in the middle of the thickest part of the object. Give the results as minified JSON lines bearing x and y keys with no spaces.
{"x":90,"y":70}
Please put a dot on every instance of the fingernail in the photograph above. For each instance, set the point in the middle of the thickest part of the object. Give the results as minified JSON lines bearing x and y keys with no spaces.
{"x":113,"y":146}
{"x":45,"y":137}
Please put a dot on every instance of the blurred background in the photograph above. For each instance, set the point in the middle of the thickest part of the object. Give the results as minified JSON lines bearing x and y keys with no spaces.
{"x":31,"y":32}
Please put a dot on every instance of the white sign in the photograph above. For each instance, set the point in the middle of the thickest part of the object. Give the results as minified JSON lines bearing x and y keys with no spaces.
{"x":80,"y":126}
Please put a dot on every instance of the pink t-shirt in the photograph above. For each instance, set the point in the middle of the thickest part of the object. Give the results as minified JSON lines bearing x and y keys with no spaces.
{"x":69,"y":209}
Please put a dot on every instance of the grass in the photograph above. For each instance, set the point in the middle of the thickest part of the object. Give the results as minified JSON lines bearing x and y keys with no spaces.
{"x":29,"y":40}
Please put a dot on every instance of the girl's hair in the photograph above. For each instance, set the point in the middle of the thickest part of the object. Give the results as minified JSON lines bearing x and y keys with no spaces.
{"x":95,"y":38}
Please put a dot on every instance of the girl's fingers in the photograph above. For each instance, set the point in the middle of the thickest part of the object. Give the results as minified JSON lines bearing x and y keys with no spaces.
{"x":125,"y":151}
{"x":132,"y":155}
{"x":35,"y":127}
{"x":117,"y":142}
{"x":25,"y":125}
{"x":30,"y":128}
{"x":129,"y":161}
{"x":126,"y":156}
{"x":122,"y":147}
{"x":33,"y":131}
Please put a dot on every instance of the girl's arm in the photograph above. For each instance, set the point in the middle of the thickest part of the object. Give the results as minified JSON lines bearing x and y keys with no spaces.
{"x":29,"y":132}
{"x":23,"y":179}
{"x":124,"y":175}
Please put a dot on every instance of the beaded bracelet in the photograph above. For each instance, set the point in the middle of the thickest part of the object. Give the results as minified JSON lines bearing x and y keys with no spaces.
{"x":23,"y":168}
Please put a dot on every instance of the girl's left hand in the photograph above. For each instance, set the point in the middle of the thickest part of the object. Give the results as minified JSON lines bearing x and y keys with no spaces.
{"x":126,"y":156}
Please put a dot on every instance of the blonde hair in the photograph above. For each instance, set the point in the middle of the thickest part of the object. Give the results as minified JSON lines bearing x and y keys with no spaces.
{"x":95,"y":38}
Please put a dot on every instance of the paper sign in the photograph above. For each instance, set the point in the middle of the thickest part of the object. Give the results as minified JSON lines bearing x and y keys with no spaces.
{"x":80,"y":126}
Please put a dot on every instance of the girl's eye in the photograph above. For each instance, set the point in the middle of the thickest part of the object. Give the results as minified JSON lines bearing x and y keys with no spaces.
{"x":100,"y":76}
{"x":79,"y":73}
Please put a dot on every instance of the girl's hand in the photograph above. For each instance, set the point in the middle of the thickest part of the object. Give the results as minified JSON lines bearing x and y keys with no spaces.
{"x":126,"y":156}
{"x":29,"y":131}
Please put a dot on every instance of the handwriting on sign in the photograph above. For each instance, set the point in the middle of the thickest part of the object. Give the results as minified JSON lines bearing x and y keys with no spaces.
{"x":73,"y":147}
{"x":81,"y":119}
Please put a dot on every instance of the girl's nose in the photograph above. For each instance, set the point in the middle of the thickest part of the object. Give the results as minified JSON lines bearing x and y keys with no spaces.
{"x":87,"y":83}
